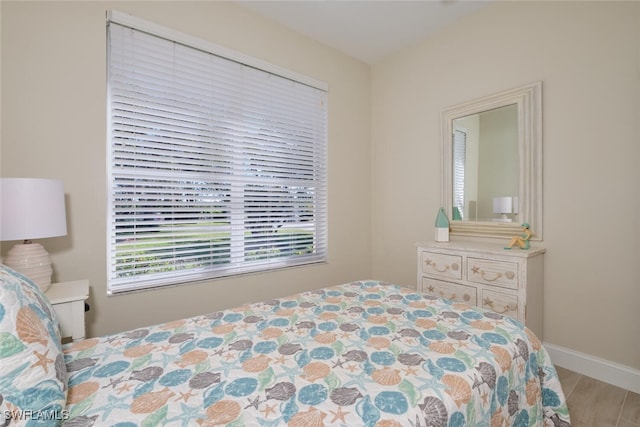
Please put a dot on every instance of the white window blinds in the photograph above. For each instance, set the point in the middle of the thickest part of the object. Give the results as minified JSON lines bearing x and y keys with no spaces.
{"x":459,"y":156}
{"x":215,"y":167}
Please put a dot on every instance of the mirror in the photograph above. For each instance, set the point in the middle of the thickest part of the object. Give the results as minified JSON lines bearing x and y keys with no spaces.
{"x":492,"y":164}
{"x":485,"y":166}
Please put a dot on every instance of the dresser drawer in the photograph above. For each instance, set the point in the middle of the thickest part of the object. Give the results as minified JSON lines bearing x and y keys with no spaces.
{"x":442,"y":265}
{"x":500,"y":302}
{"x":452,"y":291}
{"x":490,"y":272}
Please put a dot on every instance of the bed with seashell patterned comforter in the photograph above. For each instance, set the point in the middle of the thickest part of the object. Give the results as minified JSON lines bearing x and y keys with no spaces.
{"x":361,"y":354}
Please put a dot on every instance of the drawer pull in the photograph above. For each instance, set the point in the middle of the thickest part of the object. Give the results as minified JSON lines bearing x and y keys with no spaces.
{"x":507,"y":308}
{"x":484,"y":275}
{"x":465,"y":297}
{"x":442,"y":269}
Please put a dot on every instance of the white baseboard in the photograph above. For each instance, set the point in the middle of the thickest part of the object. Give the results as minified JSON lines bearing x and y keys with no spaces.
{"x":601,"y":369}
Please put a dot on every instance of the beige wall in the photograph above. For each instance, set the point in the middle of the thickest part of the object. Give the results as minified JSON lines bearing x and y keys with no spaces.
{"x":53,"y":126}
{"x":587,"y":55}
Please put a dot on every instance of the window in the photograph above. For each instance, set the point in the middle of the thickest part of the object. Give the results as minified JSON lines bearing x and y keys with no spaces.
{"x":216,"y":162}
{"x":459,"y":156}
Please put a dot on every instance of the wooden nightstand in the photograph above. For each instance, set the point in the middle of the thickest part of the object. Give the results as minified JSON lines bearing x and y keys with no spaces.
{"x":68,"y":300}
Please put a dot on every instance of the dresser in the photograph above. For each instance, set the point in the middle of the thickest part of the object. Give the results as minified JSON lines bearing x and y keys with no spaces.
{"x":506,"y":281}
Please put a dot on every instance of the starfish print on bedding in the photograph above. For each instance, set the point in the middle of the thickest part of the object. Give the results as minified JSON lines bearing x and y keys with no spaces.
{"x":255,"y":403}
{"x":338,"y":415}
{"x":43,"y":360}
{"x":124,"y":388}
{"x":352,"y":368}
{"x":409,"y":370}
{"x":338,"y":364}
{"x":114,"y":382}
{"x":292,"y":372}
{"x":113,"y":403}
{"x":227,"y":366}
{"x":484,"y":397}
{"x":433,"y":384}
{"x":185,"y":396}
{"x":269,"y":410}
{"x":357,"y":380}
{"x":186,"y":416}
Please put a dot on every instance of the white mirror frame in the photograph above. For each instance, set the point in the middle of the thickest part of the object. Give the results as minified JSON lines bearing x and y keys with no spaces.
{"x":529,"y":101}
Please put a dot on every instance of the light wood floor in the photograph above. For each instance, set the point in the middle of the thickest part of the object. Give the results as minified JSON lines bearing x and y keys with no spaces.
{"x":593,"y":403}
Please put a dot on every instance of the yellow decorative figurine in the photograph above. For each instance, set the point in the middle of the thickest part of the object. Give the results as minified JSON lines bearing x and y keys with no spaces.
{"x":521,"y":241}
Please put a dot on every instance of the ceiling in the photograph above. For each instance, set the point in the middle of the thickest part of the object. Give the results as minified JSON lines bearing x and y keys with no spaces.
{"x":366,"y":30}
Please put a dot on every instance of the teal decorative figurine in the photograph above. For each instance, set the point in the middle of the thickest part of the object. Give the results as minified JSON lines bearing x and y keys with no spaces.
{"x":442,"y":226}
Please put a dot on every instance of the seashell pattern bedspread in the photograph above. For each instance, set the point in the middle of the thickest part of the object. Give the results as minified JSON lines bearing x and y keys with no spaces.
{"x":361,"y":354}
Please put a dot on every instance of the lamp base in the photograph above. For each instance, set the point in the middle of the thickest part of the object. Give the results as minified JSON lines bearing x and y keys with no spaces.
{"x":503,"y":218}
{"x":32,"y":260}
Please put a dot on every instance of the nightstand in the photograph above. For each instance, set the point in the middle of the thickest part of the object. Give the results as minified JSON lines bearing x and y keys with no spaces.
{"x":68,"y":300}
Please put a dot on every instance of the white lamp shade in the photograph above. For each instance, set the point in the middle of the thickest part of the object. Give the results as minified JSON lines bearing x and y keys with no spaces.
{"x":503,"y":205}
{"x":31,"y":208}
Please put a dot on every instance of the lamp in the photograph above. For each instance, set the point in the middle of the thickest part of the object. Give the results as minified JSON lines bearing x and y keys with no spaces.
{"x":31,"y":208}
{"x":503,"y":205}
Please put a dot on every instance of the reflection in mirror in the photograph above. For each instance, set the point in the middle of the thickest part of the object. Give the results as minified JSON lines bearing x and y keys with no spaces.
{"x":492,"y":164}
{"x":485,"y":166}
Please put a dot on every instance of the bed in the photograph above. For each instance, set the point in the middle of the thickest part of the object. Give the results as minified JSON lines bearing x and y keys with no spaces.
{"x":366,"y":353}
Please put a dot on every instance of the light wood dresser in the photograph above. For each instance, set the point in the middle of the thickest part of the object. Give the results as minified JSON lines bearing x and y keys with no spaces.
{"x":507,"y":281}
